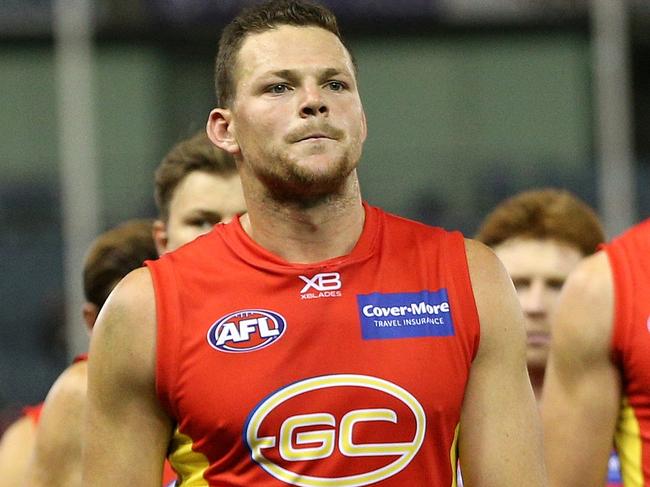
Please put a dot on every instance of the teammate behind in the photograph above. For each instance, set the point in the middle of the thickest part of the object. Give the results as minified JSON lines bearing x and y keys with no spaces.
{"x":196,"y":187}
{"x":315,"y":340}
{"x":56,"y":459}
{"x":16,"y":447}
{"x":540,"y":236}
{"x":598,"y":376}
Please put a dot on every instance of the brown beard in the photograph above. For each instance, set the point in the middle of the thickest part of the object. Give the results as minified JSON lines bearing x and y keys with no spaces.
{"x":287,"y":182}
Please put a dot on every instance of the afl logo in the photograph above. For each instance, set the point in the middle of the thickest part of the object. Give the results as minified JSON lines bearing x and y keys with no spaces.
{"x":336,"y":430}
{"x":246,"y":330}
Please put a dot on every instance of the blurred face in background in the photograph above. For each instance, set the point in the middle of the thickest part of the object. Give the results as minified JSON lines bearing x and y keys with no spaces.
{"x":538,"y":268}
{"x":200,"y":201}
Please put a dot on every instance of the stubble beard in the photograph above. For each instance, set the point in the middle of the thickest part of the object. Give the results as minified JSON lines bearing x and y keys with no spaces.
{"x":287,"y":181}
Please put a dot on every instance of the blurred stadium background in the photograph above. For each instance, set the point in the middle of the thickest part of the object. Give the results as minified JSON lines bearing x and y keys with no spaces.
{"x":468,"y":101}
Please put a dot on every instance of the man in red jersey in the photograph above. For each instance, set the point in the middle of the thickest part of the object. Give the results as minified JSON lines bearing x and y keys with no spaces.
{"x":598,"y":377}
{"x":315,"y":340}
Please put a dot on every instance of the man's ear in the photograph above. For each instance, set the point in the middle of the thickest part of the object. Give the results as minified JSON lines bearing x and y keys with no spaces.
{"x":221,"y":130}
{"x":159,"y":232}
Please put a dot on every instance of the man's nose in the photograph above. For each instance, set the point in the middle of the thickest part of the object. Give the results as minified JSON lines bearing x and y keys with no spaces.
{"x":534,"y":300}
{"x":313,"y":103}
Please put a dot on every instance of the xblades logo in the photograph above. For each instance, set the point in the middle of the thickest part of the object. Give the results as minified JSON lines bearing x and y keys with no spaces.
{"x":324,"y":285}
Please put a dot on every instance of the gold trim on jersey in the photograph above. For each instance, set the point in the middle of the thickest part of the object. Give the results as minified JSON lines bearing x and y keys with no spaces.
{"x":189,"y":464}
{"x":628,"y":445}
{"x":453,"y":456}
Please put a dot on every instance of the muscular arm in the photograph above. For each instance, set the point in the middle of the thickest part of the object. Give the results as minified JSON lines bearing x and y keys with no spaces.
{"x":15,"y":451}
{"x":582,"y":386}
{"x":127,"y":431}
{"x":500,"y":433}
{"x":56,"y":460}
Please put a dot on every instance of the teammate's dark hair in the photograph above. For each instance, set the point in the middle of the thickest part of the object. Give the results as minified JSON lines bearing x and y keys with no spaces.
{"x":113,"y":255}
{"x":194,"y":154}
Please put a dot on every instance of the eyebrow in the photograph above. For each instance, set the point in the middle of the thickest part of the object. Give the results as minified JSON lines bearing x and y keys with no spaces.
{"x":200,"y":212}
{"x":292,"y":75}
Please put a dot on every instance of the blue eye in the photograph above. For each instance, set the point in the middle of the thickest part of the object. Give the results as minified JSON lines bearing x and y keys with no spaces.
{"x":336,"y":86}
{"x":278,"y":89}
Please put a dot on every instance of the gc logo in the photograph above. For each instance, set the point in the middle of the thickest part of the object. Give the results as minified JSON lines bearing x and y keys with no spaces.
{"x":280,"y":442}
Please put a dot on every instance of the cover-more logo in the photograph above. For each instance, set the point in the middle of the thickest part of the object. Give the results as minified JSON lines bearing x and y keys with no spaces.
{"x":324,"y":285}
{"x":246,"y":330}
{"x":372,"y":431}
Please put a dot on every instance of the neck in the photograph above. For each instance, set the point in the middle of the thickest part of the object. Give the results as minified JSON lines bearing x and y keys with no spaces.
{"x":537,"y":381}
{"x":306,"y":233}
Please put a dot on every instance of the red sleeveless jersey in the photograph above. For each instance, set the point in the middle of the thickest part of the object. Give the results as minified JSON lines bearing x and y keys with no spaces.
{"x":629,"y":257}
{"x":346,"y":372}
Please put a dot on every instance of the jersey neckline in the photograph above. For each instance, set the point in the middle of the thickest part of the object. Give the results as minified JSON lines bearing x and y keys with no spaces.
{"x":247,"y":249}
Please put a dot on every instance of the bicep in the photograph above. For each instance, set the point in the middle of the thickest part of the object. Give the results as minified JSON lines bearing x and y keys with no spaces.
{"x":582,"y":385}
{"x":500,"y":434}
{"x":122,"y":409}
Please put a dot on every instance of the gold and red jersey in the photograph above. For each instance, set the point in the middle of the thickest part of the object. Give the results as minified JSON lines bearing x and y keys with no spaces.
{"x":629,"y":257}
{"x":346,"y":372}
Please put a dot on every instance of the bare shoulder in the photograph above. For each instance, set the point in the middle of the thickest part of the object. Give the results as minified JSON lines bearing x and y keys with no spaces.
{"x":498,"y":308}
{"x":584,"y":317}
{"x":133,"y":295}
{"x":67,"y":396}
{"x":58,"y":436}
{"x":15,"y":449}
{"x":20,"y":433}
{"x":488,"y":275}
{"x":123,"y":339}
{"x":482,"y":262}
{"x":20,"y":430}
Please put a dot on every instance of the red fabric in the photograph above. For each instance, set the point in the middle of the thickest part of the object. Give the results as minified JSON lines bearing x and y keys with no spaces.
{"x":80,"y":358}
{"x":168,"y":474}
{"x":629,"y":256}
{"x":216,"y":396}
{"x":33,"y":412}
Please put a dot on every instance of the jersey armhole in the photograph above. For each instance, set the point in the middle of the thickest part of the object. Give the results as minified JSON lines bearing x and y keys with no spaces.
{"x":465,"y":311}
{"x":167,"y":327}
{"x":621,"y":319}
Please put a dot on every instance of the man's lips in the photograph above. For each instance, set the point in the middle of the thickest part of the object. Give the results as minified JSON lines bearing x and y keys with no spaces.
{"x":538,"y":338}
{"x":314,"y":137}
{"x":319,"y":132}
